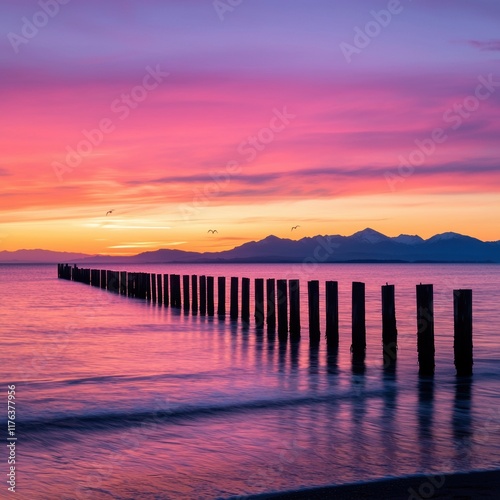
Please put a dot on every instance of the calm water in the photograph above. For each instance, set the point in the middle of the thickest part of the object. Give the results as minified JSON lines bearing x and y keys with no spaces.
{"x":118,"y":399}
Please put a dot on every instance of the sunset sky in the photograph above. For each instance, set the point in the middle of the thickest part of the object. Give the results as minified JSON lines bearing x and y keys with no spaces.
{"x":247,"y":119}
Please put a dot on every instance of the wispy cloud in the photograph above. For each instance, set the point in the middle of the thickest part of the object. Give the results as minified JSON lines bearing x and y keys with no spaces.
{"x":485,"y":45}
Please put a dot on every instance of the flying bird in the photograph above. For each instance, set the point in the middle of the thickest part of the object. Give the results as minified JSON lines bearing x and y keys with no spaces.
{"x":212,"y":231}
{"x":109,"y":212}
{"x":294,"y":227}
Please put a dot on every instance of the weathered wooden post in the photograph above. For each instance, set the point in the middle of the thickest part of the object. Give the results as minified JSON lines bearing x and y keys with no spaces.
{"x":131,"y":285}
{"x":358,"y":319}
{"x":332,"y":312}
{"x":294,"y":299}
{"x":104,"y":280}
{"x":160,"y":289}
{"x":462,"y":345}
{"x":148,"y":286}
{"x":389,"y":330}
{"x":313,"y":296}
{"x":185,"y":288}
{"x":245,"y":300}
{"x":203,"y":295}
{"x":166,"y":297}
{"x":233,"y":310}
{"x":153,"y":288}
{"x":221,"y":296}
{"x":123,"y":283}
{"x":425,"y":334}
{"x":282,"y":309}
{"x":210,"y":296}
{"x":259,"y":302}
{"x":271,"y":304}
{"x":194,"y":294}
{"x":175,"y":283}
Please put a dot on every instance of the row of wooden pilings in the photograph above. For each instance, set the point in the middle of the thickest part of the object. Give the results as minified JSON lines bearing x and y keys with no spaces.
{"x":277,"y":304}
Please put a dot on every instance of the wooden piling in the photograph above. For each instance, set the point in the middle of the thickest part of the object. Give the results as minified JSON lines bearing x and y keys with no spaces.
{"x":259,"y":302}
{"x":175,"y":290}
{"x":233,"y":310}
{"x":153,"y":288}
{"x":358,"y":345}
{"x":185,"y":288}
{"x":148,"y":287}
{"x":282,"y":297}
{"x":131,"y":285}
{"x":425,"y":325}
{"x":123,"y":282}
{"x":271,"y":304}
{"x":203,"y":295}
{"x":210,"y":295}
{"x":332,"y":312}
{"x":104,"y":281}
{"x":194,"y":294}
{"x":245,"y":300}
{"x":160,"y":289}
{"x":221,"y":296}
{"x":462,"y":345}
{"x":294,"y":300}
{"x":389,"y":330}
{"x":313,"y":296}
{"x":166,"y":296}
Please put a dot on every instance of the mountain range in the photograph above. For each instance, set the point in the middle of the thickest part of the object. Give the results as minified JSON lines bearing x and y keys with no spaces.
{"x":364,"y":246}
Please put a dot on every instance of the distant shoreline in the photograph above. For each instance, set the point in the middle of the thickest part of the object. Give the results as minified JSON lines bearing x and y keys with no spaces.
{"x":474,"y":485}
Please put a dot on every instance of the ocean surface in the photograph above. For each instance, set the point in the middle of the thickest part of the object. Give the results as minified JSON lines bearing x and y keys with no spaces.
{"x":120,"y":399}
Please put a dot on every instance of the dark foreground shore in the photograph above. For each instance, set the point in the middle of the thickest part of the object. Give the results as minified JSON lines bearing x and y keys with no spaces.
{"x":460,"y":486}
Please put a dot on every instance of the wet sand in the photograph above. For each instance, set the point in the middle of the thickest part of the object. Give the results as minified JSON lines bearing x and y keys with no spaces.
{"x":460,"y":486}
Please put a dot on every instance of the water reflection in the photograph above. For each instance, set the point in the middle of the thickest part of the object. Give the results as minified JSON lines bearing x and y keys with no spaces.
{"x":426,"y":420}
{"x":462,"y":421}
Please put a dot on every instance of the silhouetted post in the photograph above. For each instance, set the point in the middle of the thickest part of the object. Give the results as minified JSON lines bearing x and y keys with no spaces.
{"x":282,"y":309}
{"x":462,"y":346}
{"x":233,"y":310}
{"x":175,"y":283}
{"x":259,"y":302}
{"x":194,"y":294}
{"x":97,"y":278}
{"x":210,"y":295}
{"x":203,"y":295}
{"x":425,"y":324}
{"x":271,"y":304}
{"x":148,"y":286}
{"x":389,"y":330}
{"x":130,"y":285}
{"x":123,"y":282}
{"x":358,"y":319}
{"x":221,"y":296}
{"x":104,"y":280}
{"x":166,"y":297}
{"x":332,"y":312}
{"x":160,"y":290}
{"x":294,"y":299}
{"x":313,"y":295}
{"x":185,"y":288}
{"x":245,"y":300}
{"x":153,"y":287}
